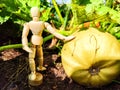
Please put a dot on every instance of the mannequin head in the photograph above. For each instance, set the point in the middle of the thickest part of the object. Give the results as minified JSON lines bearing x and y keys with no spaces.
{"x":35,"y":12}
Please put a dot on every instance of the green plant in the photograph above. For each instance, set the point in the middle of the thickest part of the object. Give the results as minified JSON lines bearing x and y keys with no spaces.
{"x":18,"y":10}
{"x":78,"y":14}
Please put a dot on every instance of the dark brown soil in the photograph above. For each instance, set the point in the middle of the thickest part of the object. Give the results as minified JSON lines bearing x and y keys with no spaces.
{"x":14,"y":70}
{"x":14,"y":74}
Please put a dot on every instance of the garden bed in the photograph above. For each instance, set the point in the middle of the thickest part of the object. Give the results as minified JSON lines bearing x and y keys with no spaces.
{"x":14,"y":74}
{"x":15,"y":69}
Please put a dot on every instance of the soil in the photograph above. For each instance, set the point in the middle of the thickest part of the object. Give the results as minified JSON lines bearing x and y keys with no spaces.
{"x":14,"y":68}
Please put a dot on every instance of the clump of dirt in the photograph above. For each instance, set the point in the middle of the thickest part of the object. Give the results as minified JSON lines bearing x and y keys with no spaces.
{"x":9,"y":54}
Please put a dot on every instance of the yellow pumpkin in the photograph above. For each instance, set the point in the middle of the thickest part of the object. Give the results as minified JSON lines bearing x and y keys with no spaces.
{"x":92,"y":58}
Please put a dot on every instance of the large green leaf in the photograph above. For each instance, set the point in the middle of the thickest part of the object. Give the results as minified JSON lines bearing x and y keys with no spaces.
{"x":17,"y":10}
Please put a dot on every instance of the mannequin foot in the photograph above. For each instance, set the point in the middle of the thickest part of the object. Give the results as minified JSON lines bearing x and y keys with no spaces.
{"x":41,"y":68}
{"x":32,"y":76}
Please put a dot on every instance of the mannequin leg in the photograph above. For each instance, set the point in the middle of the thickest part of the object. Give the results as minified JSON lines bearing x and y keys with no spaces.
{"x":32,"y":76}
{"x":40,"y":58}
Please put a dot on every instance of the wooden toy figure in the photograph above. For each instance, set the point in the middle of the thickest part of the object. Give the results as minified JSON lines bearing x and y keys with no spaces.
{"x":35,"y":49}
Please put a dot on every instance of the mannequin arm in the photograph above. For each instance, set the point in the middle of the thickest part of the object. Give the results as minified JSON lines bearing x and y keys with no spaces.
{"x":59,"y":36}
{"x":24,"y":38}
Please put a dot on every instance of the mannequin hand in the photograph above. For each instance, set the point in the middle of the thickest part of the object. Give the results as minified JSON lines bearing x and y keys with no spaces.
{"x":69,"y":38}
{"x":26,"y":48}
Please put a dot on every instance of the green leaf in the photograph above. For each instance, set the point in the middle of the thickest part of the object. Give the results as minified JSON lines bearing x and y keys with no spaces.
{"x":89,"y":8}
{"x":97,"y":2}
{"x":79,"y":14}
{"x":115,"y":16}
{"x":115,"y":30}
{"x":118,"y":35}
{"x":45,"y":14}
{"x":33,"y":3}
{"x":103,"y":10}
{"x":4,"y":16}
{"x":4,"y":19}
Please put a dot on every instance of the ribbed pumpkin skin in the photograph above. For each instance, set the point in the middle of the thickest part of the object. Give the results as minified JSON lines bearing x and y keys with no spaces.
{"x":92,"y":58}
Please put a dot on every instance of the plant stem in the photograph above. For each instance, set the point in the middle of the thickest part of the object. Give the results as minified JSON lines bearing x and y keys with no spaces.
{"x":109,"y":3}
{"x":110,"y":26}
{"x":57,"y":10}
{"x":20,"y":45}
{"x":47,"y":38}
{"x":66,"y":18}
{"x":10,"y":46}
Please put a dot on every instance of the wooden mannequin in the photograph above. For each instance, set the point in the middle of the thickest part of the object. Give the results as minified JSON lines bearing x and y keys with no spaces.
{"x":37,"y":28}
